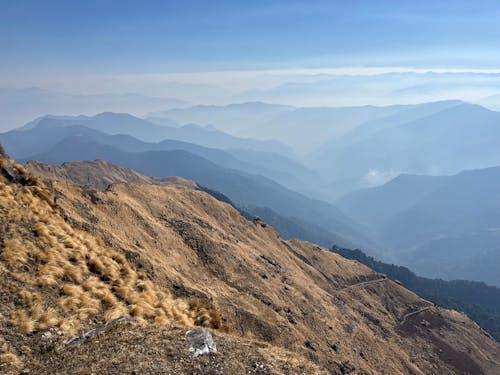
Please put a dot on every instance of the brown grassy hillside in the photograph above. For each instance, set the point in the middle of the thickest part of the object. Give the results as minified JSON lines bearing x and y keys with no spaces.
{"x":173,"y":257}
{"x":97,"y":174}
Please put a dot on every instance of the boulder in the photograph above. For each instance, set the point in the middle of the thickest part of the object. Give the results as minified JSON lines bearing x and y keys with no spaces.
{"x":200,"y":341}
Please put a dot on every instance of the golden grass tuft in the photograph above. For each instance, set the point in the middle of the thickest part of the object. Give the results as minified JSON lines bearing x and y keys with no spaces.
{"x":4,"y":347}
{"x":9,"y":359}
{"x":43,"y":194}
{"x":49,"y":275}
{"x":115,"y":312}
{"x":14,"y":253}
{"x":20,"y":168}
{"x":161,"y":320}
{"x":72,"y":290}
{"x":74,"y":273}
{"x":45,"y":281}
{"x":204,"y":313}
{"x":49,"y":318}
{"x":23,"y":321}
{"x":27,"y":298}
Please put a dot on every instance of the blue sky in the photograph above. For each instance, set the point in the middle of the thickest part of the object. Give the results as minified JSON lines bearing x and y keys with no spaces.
{"x":134,"y":37}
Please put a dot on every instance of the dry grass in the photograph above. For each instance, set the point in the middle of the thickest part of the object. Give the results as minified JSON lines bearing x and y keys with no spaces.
{"x":23,"y":321}
{"x":205,"y":314}
{"x":85,"y":279}
{"x":9,"y":359}
{"x":14,"y":253}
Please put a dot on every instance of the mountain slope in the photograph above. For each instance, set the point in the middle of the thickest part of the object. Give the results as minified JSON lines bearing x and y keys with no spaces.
{"x":122,"y":123}
{"x":451,"y":140}
{"x":45,"y":135}
{"x":439,"y":226}
{"x":100,"y":174}
{"x":374,"y":206}
{"x":330,"y":312}
{"x":478,"y":300}
{"x":242,"y":188}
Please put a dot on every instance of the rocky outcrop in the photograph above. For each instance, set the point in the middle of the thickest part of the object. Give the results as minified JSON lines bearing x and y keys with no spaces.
{"x":199,"y":341}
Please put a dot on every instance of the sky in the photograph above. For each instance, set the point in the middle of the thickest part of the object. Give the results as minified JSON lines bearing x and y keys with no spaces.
{"x":138,"y":37}
{"x":217,"y":52}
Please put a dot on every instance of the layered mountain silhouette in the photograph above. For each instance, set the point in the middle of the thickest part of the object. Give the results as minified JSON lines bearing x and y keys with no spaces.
{"x":42,"y":136}
{"x":19,"y":105}
{"x":122,"y":123}
{"x":445,"y":142}
{"x":303,"y":128}
{"x":439,"y":226}
{"x":242,"y":188}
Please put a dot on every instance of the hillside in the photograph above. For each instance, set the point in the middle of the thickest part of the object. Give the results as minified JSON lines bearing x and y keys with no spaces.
{"x":439,"y":226}
{"x":242,"y":188}
{"x":479,"y":301}
{"x":100,"y":174}
{"x":176,"y":257}
{"x":41,"y":137}
{"x":445,"y":142}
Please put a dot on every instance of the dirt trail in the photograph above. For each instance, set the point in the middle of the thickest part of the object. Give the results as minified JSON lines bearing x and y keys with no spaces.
{"x":414,"y":313}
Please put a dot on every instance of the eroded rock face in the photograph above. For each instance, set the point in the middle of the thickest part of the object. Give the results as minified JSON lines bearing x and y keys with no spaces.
{"x":200,"y":341}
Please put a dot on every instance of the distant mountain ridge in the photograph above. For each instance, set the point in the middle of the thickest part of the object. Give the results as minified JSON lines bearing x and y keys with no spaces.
{"x":463,"y":136}
{"x":19,"y":105}
{"x":242,"y":188}
{"x":40,"y":137}
{"x":439,"y":226}
{"x":305,"y":128}
{"x":100,"y":174}
{"x":123,"y":123}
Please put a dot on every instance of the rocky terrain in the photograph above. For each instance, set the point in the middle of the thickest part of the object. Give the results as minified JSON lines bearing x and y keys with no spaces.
{"x":169,"y":258}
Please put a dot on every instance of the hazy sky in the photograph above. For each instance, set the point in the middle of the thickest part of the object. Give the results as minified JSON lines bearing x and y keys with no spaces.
{"x":47,"y":38}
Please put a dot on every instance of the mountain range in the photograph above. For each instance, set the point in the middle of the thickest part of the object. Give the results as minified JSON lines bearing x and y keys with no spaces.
{"x":19,"y":106}
{"x":159,"y":261}
{"x":43,"y":135}
{"x":123,"y":123}
{"x":447,"y":141}
{"x":389,"y":221}
{"x":242,"y":188}
{"x":443,"y":226}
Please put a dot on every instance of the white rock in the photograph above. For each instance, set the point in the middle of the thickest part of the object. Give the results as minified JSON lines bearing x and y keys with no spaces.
{"x":200,"y":341}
